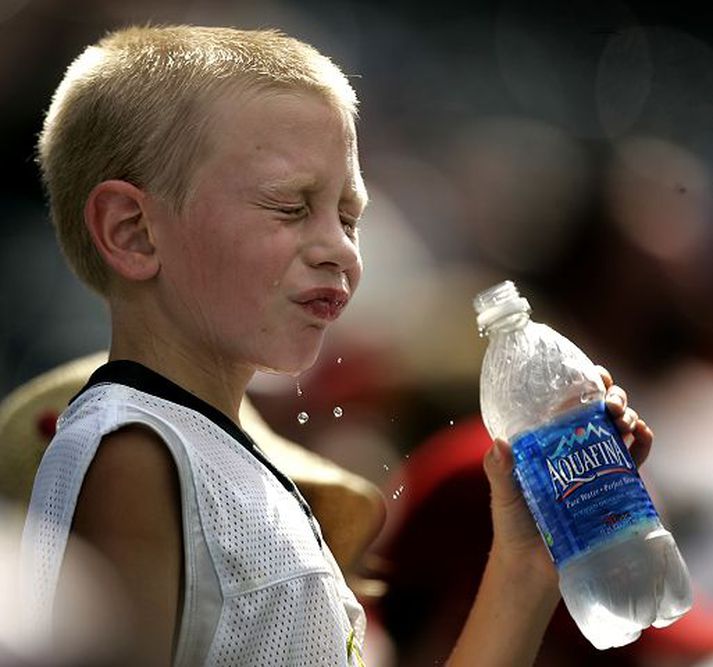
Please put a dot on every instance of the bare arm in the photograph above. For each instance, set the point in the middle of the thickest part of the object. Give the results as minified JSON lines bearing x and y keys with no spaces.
{"x":129,"y":510}
{"x":518,"y":592}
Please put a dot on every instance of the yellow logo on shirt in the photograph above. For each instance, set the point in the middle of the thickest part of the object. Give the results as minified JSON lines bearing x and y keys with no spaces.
{"x":353,"y":650}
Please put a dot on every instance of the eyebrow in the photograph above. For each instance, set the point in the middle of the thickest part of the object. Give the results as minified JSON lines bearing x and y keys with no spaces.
{"x":292,"y":184}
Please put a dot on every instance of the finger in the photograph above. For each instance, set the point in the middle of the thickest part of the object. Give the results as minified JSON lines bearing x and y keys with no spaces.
{"x":616,"y":401}
{"x":498,"y":464}
{"x":606,"y":376}
{"x":643,"y":438}
{"x":627,"y":422}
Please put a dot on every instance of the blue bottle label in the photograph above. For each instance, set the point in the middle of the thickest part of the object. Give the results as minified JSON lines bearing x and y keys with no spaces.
{"x":580,"y":482}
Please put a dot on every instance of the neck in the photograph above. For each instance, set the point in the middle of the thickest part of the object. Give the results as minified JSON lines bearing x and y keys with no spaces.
{"x":203,"y":372}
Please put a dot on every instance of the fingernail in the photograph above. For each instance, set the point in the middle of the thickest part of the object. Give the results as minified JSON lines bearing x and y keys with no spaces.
{"x":497,"y":454}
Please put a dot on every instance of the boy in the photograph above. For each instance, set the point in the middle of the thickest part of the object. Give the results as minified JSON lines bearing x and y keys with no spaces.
{"x":206,"y":182}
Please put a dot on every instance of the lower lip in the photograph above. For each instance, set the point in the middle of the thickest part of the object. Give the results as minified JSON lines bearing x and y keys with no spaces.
{"x":324,"y":310}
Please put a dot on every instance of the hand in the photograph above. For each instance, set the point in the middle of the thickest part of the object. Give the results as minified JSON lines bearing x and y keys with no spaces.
{"x":516,"y":539}
{"x":515,"y":536}
{"x":637,"y":436}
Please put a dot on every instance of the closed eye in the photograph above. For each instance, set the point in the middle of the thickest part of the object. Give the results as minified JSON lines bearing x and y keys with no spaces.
{"x":292,"y":211}
{"x":350,"y":225}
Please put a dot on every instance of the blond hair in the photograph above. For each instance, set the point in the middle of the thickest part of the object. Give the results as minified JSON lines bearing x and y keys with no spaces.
{"x":137,"y":107}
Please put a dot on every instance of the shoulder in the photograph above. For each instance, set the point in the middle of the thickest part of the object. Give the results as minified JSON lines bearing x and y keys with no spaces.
{"x":131,"y":488}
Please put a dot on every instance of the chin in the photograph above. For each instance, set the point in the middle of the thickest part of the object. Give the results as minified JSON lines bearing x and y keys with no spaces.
{"x":292,"y":366}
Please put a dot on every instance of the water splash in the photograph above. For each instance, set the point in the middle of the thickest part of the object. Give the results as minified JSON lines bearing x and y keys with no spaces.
{"x":302,"y":418}
{"x":338,"y":412}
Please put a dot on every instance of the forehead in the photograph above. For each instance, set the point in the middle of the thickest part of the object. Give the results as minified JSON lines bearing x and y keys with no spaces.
{"x":259,"y":120}
{"x":285,"y":139}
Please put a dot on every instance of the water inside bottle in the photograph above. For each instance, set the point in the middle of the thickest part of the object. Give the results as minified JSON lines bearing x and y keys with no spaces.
{"x":606,"y":630}
{"x":619,"y":590}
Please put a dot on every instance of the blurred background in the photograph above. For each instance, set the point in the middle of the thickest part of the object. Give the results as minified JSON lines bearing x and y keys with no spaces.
{"x":565,"y":145}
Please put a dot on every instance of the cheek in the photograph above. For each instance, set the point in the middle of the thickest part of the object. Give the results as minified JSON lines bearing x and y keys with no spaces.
{"x":241,"y":277}
{"x":232,"y":266}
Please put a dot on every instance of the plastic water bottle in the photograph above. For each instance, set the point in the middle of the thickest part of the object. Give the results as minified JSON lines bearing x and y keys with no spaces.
{"x":620,"y":570}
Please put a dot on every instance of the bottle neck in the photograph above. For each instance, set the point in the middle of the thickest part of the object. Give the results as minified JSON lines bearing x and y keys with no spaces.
{"x":507,"y":323}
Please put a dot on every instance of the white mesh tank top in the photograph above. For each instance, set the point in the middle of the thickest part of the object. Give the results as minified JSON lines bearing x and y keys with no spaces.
{"x":261,"y":587}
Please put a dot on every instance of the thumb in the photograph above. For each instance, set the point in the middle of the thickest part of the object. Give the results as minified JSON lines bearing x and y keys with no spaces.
{"x":498,"y":465}
{"x":513,"y":526}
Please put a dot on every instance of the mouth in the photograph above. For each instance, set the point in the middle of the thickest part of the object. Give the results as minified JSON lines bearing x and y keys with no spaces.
{"x":324,"y":303}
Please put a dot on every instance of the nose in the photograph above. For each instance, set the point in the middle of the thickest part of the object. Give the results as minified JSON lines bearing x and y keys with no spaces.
{"x":329,"y":245}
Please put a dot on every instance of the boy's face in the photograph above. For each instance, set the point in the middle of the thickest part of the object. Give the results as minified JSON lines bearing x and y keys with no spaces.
{"x":266,"y":253}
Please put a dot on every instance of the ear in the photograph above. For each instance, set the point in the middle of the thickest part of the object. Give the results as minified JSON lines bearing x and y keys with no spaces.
{"x":115,"y":214}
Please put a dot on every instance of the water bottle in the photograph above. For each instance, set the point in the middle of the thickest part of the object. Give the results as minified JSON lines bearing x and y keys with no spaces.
{"x":620,"y":570}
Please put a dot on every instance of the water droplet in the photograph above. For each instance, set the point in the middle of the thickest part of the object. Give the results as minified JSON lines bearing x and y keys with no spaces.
{"x":451,"y":422}
{"x":386,"y":467}
{"x":397,"y":493}
{"x":303,"y":418}
{"x":299,"y":389}
{"x":339,"y":360}
{"x":338,"y":412}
